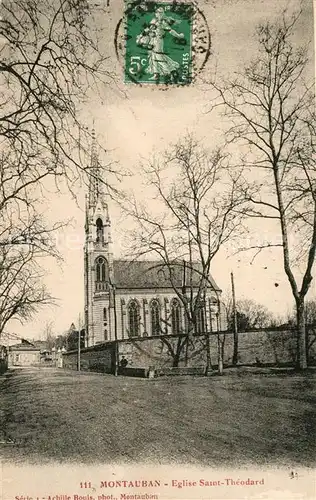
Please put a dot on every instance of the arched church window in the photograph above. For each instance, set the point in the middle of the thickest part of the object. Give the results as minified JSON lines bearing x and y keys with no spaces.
{"x":133,"y":319}
{"x":105,"y":316}
{"x":175,"y":316}
{"x":200,"y":319}
{"x":100,"y":231}
{"x":102,"y":270}
{"x":155,"y":317}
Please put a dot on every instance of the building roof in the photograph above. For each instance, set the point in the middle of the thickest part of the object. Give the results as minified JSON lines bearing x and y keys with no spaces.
{"x":41,"y":344}
{"x":153,"y":274}
{"x":24,"y":345}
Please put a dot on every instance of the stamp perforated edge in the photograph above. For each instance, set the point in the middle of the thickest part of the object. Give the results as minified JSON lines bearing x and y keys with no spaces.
{"x":198,"y":15}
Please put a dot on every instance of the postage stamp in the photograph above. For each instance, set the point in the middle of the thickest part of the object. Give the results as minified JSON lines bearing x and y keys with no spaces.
{"x":158,"y":42}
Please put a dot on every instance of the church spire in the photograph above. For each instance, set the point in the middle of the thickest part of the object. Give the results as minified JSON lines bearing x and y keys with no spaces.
{"x":98,"y":257}
{"x":98,"y":196}
{"x":95,"y":180}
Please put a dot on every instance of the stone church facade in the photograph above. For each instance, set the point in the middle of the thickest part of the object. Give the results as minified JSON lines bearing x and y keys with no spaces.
{"x":128,"y":299}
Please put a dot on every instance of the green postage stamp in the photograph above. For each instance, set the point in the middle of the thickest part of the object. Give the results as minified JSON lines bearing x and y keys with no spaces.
{"x":158,"y":42}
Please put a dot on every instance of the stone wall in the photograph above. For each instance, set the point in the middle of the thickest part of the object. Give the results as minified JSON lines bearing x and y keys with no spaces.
{"x":262,"y":347}
{"x":99,"y":358}
{"x":259,"y":347}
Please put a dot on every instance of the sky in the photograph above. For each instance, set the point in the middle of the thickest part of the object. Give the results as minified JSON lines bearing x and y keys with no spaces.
{"x":133,"y":122}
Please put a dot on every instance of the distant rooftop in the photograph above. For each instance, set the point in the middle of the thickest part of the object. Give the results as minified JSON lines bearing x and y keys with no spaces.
{"x":24,"y":345}
{"x":154,"y":274}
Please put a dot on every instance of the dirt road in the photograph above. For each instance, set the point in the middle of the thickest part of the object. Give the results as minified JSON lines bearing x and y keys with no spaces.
{"x":55,"y":415}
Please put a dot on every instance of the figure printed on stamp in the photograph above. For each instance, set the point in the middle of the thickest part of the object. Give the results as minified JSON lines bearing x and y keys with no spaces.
{"x":152,"y":38}
{"x":158,"y":43}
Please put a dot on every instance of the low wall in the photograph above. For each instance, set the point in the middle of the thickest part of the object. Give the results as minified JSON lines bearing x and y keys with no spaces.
{"x":262,"y":347}
{"x":99,"y":358}
{"x":254,"y":348}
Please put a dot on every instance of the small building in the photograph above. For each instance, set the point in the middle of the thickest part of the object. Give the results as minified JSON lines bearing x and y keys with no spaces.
{"x":24,"y":354}
{"x":46,"y":352}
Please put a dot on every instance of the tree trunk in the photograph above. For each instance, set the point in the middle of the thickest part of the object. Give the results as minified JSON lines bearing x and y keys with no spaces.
{"x":208,"y":354}
{"x":220,"y":345}
{"x":175,"y":361}
{"x":176,"y":357}
{"x":116,"y":358}
{"x":190,"y":331}
{"x":235,"y":352}
{"x":307,"y":343}
{"x":177,"y":354}
{"x":301,"y":361}
{"x":186,"y":357}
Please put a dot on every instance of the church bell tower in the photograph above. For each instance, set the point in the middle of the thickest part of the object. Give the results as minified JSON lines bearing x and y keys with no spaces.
{"x":98,"y":258}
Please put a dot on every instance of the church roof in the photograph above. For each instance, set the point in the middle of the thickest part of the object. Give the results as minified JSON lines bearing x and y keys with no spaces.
{"x":152,"y":274}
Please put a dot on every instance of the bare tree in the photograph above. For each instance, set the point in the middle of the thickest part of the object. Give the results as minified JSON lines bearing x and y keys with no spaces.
{"x":193,"y":223}
{"x":251,"y":314}
{"x":21,"y":289}
{"x":175,"y":348}
{"x":50,"y":60}
{"x":271,"y":108}
{"x":49,"y":335}
{"x":25,"y":239}
{"x":310,"y":312}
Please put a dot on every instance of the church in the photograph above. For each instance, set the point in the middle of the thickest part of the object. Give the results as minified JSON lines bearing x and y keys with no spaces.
{"x":127,"y":299}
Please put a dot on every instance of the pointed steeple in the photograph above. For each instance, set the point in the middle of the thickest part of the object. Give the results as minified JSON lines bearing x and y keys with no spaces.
{"x":97,"y":200}
{"x":95,"y":173}
{"x":98,"y":192}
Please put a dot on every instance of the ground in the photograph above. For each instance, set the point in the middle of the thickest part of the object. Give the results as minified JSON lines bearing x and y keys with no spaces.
{"x":240,"y":419}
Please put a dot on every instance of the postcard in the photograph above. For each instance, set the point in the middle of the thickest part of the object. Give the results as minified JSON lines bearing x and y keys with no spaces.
{"x":157,"y":250}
